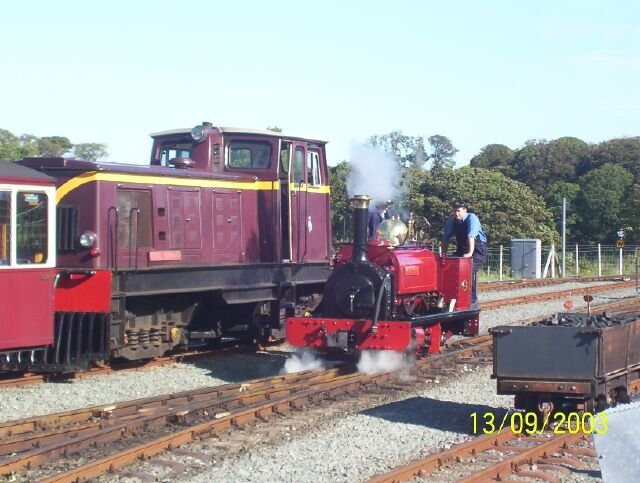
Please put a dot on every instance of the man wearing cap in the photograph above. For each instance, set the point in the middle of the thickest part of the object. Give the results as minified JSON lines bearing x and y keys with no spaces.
{"x":377,"y":215}
{"x":471,"y":241}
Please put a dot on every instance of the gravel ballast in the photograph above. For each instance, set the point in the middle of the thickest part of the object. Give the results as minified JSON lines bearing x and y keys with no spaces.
{"x":352,"y":447}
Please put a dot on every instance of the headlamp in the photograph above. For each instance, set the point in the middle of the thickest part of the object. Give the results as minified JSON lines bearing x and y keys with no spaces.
{"x":88,"y":239}
{"x":199,"y":133}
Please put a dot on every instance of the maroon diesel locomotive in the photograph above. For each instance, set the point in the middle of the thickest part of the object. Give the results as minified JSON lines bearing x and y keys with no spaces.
{"x":386,"y":295}
{"x":225,"y":233}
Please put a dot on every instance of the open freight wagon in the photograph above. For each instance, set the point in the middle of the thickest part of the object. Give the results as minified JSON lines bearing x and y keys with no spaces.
{"x":576,"y":362}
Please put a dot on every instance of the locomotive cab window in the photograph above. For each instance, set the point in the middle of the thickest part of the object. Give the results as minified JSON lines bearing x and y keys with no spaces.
{"x":298,"y":166}
{"x":31,"y":227}
{"x":249,"y":155}
{"x":174,"y":150}
{"x":284,"y":161}
{"x":313,"y":168}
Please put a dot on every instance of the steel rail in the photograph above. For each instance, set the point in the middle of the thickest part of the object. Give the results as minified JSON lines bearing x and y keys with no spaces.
{"x":472,"y":449}
{"x":541,"y":297}
{"x":543,"y":282}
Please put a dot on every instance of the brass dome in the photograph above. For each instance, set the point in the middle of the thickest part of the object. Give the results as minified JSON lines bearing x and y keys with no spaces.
{"x":392,"y":231}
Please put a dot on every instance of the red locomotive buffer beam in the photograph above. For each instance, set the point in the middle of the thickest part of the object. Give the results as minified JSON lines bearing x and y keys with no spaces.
{"x":325,"y":334}
{"x":321,"y":333}
{"x":83,"y":291}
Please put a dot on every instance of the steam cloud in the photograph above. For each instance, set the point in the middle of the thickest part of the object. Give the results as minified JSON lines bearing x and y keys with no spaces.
{"x":303,"y":360}
{"x":373,"y":172}
{"x":383,"y":361}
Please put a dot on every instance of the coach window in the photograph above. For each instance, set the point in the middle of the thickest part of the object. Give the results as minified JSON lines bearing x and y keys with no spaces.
{"x":5,"y":227}
{"x":31,"y":227}
{"x":249,"y":154}
{"x":313,"y":169}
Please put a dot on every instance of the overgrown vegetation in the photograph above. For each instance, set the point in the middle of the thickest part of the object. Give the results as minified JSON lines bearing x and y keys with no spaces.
{"x":517,"y":193}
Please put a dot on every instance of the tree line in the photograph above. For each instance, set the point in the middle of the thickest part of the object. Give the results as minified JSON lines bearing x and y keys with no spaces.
{"x":13,"y":147}
{"x":516,"y":193}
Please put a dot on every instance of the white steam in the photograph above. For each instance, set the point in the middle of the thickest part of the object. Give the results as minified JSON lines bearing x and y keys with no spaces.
{"x":373,"y":172}
{"x":383,"y":361}
{"x":303,"y":360}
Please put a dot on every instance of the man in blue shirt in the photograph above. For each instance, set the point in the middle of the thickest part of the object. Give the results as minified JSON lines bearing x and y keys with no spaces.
{"x":471,"y":241}
{"x":377,"y":214}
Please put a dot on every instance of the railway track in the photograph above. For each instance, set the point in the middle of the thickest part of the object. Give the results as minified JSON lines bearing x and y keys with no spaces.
{"x":87,"y":443}
{"x":557,"y":294}
{"x":543,"y":282}
{"x":541,"y":455}
{"x":106,"y":438}
{"x":496,"y":457}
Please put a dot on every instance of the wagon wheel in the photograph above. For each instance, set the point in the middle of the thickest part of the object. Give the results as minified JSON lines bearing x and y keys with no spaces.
{"x":622,"y":396}
{"x":601,"y":402}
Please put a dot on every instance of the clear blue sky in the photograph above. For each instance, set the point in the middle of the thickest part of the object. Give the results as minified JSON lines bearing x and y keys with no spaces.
{"x":478,"y":72}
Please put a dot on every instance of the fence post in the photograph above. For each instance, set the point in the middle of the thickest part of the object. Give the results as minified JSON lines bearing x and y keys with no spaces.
{"x":599,"y":260}
{"x":500,"y":265}
{"x":577,"y":266}
{"x":553,"y":261}
{"x":620,"y":262}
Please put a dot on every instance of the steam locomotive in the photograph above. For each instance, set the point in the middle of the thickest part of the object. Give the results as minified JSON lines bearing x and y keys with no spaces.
{"x":222,"y":235}
{"x":392,"y":293}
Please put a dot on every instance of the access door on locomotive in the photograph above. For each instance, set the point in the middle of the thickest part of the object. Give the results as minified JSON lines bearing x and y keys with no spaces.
{"x":303,"y":176}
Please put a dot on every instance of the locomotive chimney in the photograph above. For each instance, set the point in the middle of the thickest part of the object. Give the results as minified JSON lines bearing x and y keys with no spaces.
{"x":360,"y":205}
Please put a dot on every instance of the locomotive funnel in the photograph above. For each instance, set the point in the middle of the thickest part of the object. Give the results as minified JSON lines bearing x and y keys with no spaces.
{"x":360,"y":205}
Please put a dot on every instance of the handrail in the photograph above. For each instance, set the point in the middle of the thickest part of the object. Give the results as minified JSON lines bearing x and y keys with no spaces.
{"x":112,"y":239}
{"x":137,"y":211}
